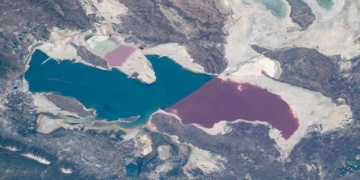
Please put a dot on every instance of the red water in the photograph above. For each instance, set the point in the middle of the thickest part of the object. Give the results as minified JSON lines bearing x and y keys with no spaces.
{"x":222,"y":100}
{"x":118,"y":56}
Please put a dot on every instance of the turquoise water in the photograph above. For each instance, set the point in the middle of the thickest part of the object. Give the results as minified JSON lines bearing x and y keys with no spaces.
{"x":132,"y":170}
{"x":111,"y":93}
{"x":327,"y":4}
{"x":277,"y":7}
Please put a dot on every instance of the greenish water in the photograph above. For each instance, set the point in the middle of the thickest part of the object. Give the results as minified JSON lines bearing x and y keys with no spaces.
{"x":111,"y":93}
{"x":327,"y":4}
{"x":102,"y":48}
{"x":74,"y":45}
{"x":277,"y":7}
{"x":88,"y":36}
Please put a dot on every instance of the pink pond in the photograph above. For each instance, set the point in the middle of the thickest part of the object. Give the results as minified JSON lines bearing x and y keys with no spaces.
{"x":226,"y":100}
{"x":118,"y":56}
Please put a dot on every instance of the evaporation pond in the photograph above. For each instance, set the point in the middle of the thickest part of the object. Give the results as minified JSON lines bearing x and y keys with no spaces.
{"x":220,"y":100}
{"x":112,"y":93}
{"x":277,"y":7}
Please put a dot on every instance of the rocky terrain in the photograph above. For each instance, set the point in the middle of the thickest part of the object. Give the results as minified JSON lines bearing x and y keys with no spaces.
{"x":301,"y":13}
{"x":70,"y":105}
{"x":304,"y":67}
{"x":197,"y":25}
{"x":312,"y":70}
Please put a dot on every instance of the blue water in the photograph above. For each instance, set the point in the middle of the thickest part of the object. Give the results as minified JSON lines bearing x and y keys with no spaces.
{"x":111,"y":93}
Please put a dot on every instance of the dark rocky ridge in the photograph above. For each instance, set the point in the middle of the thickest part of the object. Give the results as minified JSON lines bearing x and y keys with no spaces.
{"x":301,"y":13}
{"x":91,"y":58}
{"x":70,"y":105}
{"x":148,"y":24}
{"x":303,"y":67}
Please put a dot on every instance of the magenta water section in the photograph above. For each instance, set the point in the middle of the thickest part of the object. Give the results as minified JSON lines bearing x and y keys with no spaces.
{"x":118,"y":56}
{"x":226,"y":100}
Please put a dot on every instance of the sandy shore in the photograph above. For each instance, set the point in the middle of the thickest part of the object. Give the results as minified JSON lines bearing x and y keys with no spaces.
{"x":138,"y":64}
{"x":46,"y":125}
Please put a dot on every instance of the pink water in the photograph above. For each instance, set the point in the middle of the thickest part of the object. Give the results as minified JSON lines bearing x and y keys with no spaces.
{"x":118,"y":56}
{"x":222,"y":100}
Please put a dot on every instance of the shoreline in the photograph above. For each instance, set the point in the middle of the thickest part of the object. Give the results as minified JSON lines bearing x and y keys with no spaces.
{"x":176,"y":53}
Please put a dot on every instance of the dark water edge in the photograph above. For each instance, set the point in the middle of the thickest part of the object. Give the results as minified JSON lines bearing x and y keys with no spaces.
{"x":112,"y":93}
